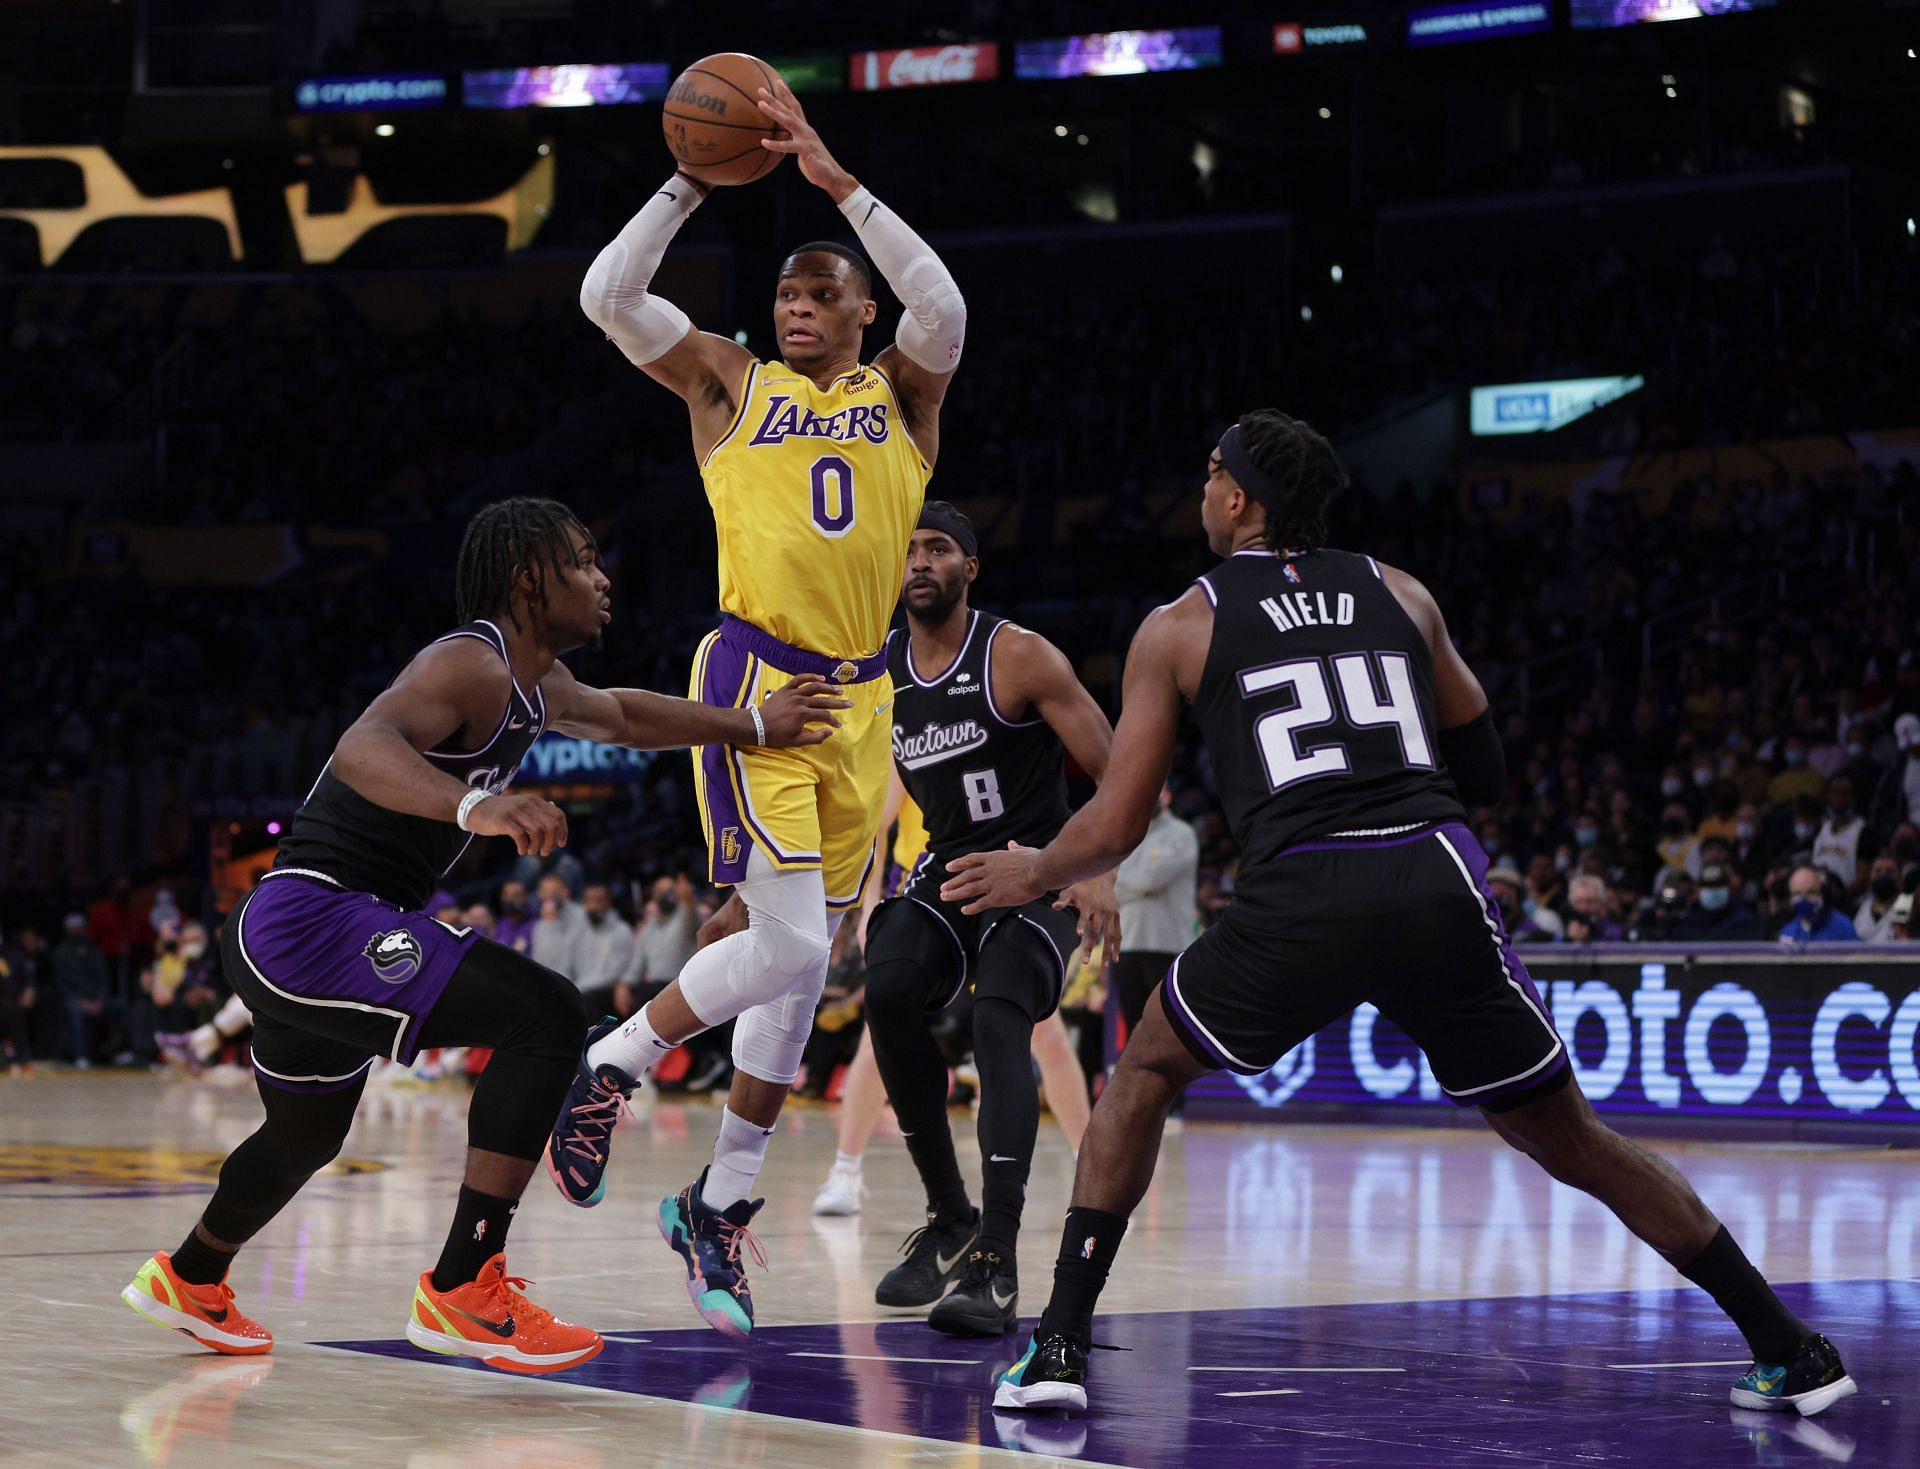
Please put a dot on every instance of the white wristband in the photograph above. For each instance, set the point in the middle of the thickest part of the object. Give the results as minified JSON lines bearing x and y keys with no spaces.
{"x":467,"y":803}
{"x":759,"y":726}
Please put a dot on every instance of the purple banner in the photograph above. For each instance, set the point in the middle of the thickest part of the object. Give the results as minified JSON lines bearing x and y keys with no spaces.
{"x":620,"y":84}
{"x":1440,"y":25}
{"x":1119,"y":53}
{"x":1599,"y":15}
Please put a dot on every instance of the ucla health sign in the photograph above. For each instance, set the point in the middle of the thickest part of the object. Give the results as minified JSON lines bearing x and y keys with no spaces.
{"x":1538,"y":408}
{"x":1737,"y":1032}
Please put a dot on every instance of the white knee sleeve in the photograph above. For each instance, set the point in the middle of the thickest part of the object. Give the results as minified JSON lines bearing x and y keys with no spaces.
{"x":782,"y":952}
{"x":769,"y":1039}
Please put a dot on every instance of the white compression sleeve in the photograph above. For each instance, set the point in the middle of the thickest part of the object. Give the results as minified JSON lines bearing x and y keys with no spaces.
{"x":934,"y":327}
{"x":614,"y":294}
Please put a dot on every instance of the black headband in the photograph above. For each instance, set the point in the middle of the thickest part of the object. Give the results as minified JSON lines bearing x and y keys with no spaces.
{"x":1259,"y":486}
{"x":952,"y":524}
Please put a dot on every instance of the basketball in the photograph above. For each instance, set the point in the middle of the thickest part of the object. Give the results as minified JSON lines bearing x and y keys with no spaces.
{"x":713,"y":120}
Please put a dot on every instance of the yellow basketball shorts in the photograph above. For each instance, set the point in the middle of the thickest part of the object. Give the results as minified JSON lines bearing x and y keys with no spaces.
{"x":815,"y":806}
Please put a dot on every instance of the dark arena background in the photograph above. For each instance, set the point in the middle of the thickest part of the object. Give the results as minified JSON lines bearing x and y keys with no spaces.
{"x":1610,"y":310}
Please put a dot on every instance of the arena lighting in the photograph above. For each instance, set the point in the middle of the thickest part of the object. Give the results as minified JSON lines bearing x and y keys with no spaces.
{"x":1118,"y":53}
{"x":1441,"y":25}
{"x":620,"y":84}
{"x":110,"y":194}
{"x":1531,"y":408}
{"x":384,"y":130}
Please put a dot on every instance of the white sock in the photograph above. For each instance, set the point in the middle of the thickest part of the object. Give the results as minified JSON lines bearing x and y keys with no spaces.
{"x":847,"y":1160}
{"x":737,"y":1155}
{"x":635,"y":1047}
{"x":204,"y":1041}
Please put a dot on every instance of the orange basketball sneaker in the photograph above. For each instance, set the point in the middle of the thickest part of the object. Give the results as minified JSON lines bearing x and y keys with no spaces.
{"x":491,"y":1320}
{"x":204,"y":1312}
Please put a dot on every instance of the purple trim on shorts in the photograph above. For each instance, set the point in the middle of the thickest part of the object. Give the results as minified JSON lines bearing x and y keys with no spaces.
{"x":1189,"y":1028}
{"x":724,"y":674}
{"x":1479,"y":864}
{"x":1362,"y":844}
{"x":798,"y":662}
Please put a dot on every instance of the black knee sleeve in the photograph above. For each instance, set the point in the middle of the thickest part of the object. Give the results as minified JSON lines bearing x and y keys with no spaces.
{"x":302,"y":1133}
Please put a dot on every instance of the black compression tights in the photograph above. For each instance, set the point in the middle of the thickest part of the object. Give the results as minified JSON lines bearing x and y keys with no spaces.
{"x":530,"y":1016}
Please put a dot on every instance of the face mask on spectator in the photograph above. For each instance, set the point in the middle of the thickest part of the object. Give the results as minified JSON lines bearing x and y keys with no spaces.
{"x":1586,"y":836}
{"x":1807,"y":910}
{"x":1714,"y":899}
{"x":596,"y":916}
{"x":1674,"y":826}
{"x":193,"y":949}
{"x":1703,"y":775}
{"x":1671,"y":786}
{"x":1562,"y":861}
{"x":1529,"y":906}
{"x":1796,"y":756}
{"x":1746,"y":831}
{"x":1803,"y":831}
{"x":666,"y":903}
{"x":1886,"y":888}
{"x":1855,"y":750}
{"x":1841,"y":813}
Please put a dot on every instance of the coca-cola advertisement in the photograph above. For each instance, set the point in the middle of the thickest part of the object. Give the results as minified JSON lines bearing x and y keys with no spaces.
{"x":924,"y":66}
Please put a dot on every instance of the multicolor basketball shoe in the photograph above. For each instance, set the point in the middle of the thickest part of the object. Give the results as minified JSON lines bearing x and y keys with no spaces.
{"x":1811,"y":1383}
{"x":489,"y":1319}
{"x":204,"y":1312}
{"x":582,"y":1138}
{"x":1052,"y":1374}
{"x":711,"y":1241}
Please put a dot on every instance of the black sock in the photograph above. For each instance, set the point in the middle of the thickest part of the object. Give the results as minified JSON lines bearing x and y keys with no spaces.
{"x":932,"y":1153}
{"x":1724,"y":1272}
{"x":1009,"y":1117}
{"x":1087,"y":1247}
{"x":479,"y":1233}
{"x":199,"y":1263}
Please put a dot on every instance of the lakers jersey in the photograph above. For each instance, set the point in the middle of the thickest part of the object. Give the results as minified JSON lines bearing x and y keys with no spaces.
{"x":815,"y":494}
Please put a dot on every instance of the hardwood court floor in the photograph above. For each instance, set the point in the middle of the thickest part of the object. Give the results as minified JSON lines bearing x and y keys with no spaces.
{"x":1291,"y":1295}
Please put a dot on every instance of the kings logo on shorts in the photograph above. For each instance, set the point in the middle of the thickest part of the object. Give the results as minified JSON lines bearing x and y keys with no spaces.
{"x":395,"y":955}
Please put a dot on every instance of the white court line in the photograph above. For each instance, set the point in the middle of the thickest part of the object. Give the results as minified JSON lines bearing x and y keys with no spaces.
{"x":857,"y":1357}
{"x":1263,"y":1392}
{"x":1644,"y":1366}
{"x":1296,"y":1370}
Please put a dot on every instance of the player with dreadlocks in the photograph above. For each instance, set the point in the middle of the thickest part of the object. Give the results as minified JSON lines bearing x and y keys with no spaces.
{"x":338,"y":963}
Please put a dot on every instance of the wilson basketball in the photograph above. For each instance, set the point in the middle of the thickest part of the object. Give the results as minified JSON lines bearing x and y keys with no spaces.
{"x":713,"y":120}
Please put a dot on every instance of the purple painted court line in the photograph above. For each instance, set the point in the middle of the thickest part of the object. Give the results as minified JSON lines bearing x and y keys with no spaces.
{"x":1552,"y":1380}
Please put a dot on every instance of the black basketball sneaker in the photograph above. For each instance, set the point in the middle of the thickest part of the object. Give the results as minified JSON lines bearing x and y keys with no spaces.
{"x":984,"y":1303}
{"x":935,"y":1255}
{"x":1052,"y":1374}
{"x":1811,"y":1383}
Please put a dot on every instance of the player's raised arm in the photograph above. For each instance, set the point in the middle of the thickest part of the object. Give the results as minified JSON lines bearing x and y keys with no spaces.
{"x":1468,"y":742}
{"x":801,"y":713}
{"x":656,"y":335}
{"x":450,"y":687}
{"x":933,"y":328}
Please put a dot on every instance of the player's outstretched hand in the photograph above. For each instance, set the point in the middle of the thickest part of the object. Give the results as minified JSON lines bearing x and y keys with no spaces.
{"x":729,"y":920}
{"x":536,"y":825}
{"x":983,"y":880}
{"x":1099,"y":913}
{"x":816,"y":163}
{"x":802,"y":713}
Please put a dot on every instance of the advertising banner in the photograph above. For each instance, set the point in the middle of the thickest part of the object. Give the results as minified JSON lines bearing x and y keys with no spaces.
{"x":1119,"y":53}
{"x":1440,"y":25}
{"x":1738,"y":1031}
{"x":381,"y":92}
{"x":923,"y":66}
{"x":617,"y":85}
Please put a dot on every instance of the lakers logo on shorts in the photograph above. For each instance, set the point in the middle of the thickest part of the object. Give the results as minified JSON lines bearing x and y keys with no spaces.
{"x":730,"y":845}
{"x":395,"y":956}
{"x":846,"y":672}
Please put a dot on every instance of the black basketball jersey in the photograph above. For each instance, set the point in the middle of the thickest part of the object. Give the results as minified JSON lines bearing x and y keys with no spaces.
{"x":981,"y":780}
{"x":1317,"y":703}
{"x":391,"y":854}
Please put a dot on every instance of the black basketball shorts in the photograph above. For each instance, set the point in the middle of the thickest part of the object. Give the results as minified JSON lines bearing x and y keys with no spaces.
{"x":1405,"y":922}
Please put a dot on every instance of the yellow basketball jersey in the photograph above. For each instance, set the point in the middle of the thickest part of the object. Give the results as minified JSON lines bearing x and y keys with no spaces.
{"x":815,"y":494}
{"x":910,"y":836}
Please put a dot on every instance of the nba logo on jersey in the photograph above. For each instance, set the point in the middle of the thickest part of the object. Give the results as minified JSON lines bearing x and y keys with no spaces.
{"x":730,"y":844}
{"x":1291,"y":573}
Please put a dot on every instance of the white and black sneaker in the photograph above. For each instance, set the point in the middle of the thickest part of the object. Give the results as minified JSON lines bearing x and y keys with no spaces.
{"x":1052,"y":1374}
{"x":936,"y":1254}
{"x":1811,"y":1383}
{"x":984,"y":1303}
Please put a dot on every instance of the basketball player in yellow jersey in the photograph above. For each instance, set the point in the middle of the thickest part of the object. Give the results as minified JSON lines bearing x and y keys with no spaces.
{"x":815,"y":467}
